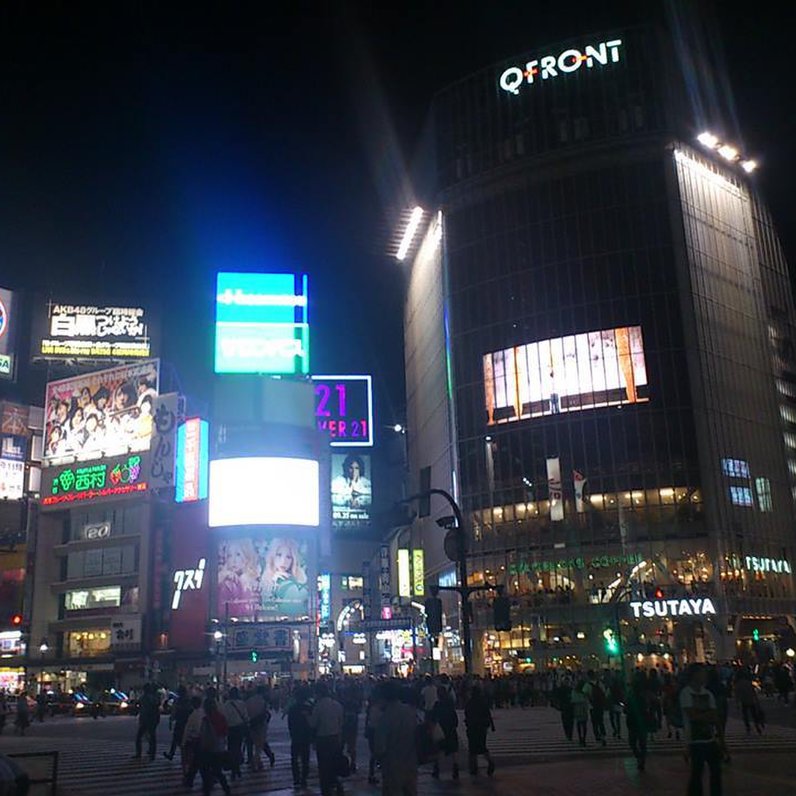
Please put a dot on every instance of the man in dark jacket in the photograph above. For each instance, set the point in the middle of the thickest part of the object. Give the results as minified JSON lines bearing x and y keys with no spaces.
{"x":148,"y":720}
{"x":180,"y":710}
{"x":298,"y":725}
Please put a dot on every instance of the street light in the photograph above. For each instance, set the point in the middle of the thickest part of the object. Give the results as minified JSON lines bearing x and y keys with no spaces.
{"x":43,"y":648}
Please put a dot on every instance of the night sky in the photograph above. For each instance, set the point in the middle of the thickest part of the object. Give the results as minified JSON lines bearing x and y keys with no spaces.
{"x":142,"y":149}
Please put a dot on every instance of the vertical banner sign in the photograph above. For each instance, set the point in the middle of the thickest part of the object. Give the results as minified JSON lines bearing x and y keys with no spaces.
{"x":325,"y":597}
{"x":578,"y":482}
{"x":418,"y":573}
{"x":385,"y":587}
{"x":367,"y":590}
{"x":193,"y":437}
{"x":8,"y":333}
{"x":554,"y":489}
{"x":164,"y":431}
{"x":404,"y":581}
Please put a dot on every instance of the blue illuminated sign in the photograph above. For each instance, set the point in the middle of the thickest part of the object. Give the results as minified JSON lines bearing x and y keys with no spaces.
{"x":191,"y":465}
{"x":325,"y":591}
{"x":262,"y":324}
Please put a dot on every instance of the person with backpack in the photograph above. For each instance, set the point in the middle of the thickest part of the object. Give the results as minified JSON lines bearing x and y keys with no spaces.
{"x":396,"y":744}
{"x":211,"y":747}
{"x":478,"y":719}
{"x":594,"y":692}
{"x":298,"y":725}
{"x":237,"y":729}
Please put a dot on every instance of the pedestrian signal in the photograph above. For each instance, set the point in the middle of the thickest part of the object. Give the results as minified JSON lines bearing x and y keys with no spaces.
{"x":501,"y":610}
{"x":433,"y":607}
{"x":755,"y":634}
{"x":254,"y":656}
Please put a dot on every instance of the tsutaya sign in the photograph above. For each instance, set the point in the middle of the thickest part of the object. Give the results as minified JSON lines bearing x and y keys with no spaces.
{"x":755,"y":564}
{"x":570,"y":60}
{"x":700,"y":606}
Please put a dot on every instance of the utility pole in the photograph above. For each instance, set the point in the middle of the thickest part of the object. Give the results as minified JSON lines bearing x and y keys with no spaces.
{"x":463,"y":589}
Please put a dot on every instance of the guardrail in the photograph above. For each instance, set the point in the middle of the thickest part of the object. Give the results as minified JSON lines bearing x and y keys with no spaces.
{"x":52,"y":779}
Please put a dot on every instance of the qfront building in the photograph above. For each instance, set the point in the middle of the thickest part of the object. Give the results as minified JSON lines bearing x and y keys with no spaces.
{"x":599,"y":356}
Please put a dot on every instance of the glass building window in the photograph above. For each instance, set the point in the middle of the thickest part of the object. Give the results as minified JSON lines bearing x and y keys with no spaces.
{"x":735,"y":468}
{"x":86,"y":599}
{"x":741,"y":496}
{"x":763,"y":489}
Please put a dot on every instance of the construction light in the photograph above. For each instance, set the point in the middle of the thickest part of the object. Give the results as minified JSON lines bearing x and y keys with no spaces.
{"x":748,"y":166}
{"x":708,"y":139}
{"x":409,"y":233}
{"x":728,"y":152}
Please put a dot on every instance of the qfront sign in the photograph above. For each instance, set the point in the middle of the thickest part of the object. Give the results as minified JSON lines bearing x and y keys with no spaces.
{"x":702,"y":606}
{"x":565,"y":62}
{"x":261,"y":324}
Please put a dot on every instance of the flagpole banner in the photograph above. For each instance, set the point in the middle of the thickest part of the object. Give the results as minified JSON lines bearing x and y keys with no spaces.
{"x":554,"y":489}
{"x":579,"y":481}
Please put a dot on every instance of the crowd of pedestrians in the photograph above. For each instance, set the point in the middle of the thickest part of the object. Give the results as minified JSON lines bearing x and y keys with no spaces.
{"x":407,"y":723}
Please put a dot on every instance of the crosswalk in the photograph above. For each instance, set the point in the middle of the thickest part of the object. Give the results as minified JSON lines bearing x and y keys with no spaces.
{"x":103,"y":765}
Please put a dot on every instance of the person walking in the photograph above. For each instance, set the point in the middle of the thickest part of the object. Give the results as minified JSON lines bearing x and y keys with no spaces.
{"x":597,"y":703}
{"x":148,"y":720}
{"x":298,"y":725}
{"x":178,"y":717}
{"x":478,"y":719}
{"x":41,"y":705}
{"x":4,"y":711}
{"x":562,"y":701}
{"x":639,"y":717}
{"x":352,"y":705}
{"x":746,"y":697}
{"x":372,"y":718}
{"x":701,"y":721}
{"x":237,"y":729}
{"x":395,"y":743}
{"x":210,"y":749}
{"x":259,"y":716}
{"x":189,"y":753}
{"x":616,"y":701}
{"x":22,"y":720}
{"x":326,"y":721}
{"x":444,"y":715}
{"x":580,"y":711}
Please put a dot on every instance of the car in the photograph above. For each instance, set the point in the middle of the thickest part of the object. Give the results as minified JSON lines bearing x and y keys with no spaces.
{"x":114,"y":703}
{"x":60,"y":704}
{"x":81,"y":703}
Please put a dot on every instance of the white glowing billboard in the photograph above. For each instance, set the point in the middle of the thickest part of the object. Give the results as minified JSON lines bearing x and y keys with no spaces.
{"x":264,"y":490}
{"x":565,"y":374}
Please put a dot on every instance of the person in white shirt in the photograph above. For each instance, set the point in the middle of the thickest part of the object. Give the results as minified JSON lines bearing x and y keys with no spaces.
{"x":237,"y":717}
{"x":701,"y":720}
{"x":428,"y":695}
{"x":327,"y":722}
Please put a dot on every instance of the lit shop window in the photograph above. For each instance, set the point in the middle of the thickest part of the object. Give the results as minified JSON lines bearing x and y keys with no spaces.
{"x":110,"y":597}
{"x":763,"y":489}
{"x":352,"y":582}
{"x":741,"y":496}
{"x":735,"y":468}
{"x":88,"y":643}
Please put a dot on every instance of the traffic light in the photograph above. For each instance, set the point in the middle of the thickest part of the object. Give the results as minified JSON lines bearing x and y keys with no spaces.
{"x":501,"y":611}
{"x":433,"y":607}
{"x":16,"y":620}
{"x":659,"y":593}
{"x":611,"y":641}
{"x":755,"y":634}
{"x":254,"y":656}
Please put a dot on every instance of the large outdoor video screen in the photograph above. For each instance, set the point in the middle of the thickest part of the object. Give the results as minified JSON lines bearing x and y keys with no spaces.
{"x":565,"y":374}
{"x":100,"y":415}
{"x":263,"y":577}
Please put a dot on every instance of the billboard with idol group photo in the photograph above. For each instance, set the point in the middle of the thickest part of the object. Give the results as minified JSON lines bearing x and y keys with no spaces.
{"x":263,"y":577}
{"x":100,"y":415}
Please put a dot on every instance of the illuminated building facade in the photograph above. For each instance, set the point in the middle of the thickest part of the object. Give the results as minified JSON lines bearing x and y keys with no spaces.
{"x":599,"y":357}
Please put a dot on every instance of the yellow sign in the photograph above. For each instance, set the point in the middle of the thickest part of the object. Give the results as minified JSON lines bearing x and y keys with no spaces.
{"x":418,"y":573}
